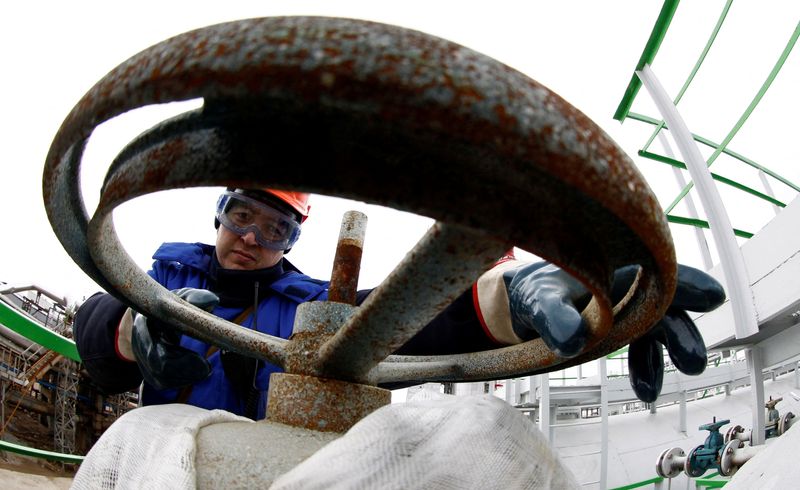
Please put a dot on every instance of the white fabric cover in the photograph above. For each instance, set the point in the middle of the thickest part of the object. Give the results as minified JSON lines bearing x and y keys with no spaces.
{"x":149,"y":447}
{"x":451,"y":443}
{"x":447,"y":443}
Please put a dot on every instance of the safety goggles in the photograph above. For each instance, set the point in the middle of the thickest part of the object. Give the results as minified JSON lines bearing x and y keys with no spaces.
{"x":242,"y":214}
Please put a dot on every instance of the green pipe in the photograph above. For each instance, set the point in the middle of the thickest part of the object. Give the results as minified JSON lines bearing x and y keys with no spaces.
{"x":699,"y":223}
{"x":40,"y":453}
{"x":630,"y":486}
{"x":736,"y":127}
{"x":717,"y":177}
{"x":647,"y":57}
{"x":709,"y":143}
{"x":20,"y":323}
{"x":695,"y":69}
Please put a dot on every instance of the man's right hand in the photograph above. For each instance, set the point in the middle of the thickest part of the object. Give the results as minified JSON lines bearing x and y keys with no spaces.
{"x":164,"y":364}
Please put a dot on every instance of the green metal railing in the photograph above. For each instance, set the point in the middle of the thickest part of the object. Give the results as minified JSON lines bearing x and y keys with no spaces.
{"x":623,"y":112}
{"x":640,"y":484}
{"x":40,"y":453}
{"x":711,"y":480}
{"x":648,"y":55}
{"x":747,"y":112}
{"x":31,"y":330}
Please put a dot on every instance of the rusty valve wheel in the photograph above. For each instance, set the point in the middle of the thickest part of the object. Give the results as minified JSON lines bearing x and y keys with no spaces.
{"x":389,"y":116}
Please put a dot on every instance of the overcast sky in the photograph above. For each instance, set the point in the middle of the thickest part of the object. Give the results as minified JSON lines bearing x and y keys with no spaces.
{"x":583,"y":50}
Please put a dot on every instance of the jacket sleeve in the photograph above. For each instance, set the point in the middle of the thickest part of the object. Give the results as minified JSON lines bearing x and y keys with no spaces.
{"x":475,"y":321}
{"x":95,"y":330}
{"x":456,"y":330}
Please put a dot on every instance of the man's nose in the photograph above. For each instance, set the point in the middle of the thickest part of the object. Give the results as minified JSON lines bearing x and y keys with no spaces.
{"x":250,"y":238}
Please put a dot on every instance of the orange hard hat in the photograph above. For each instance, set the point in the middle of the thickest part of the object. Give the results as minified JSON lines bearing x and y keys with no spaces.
{"x":297,"y":200}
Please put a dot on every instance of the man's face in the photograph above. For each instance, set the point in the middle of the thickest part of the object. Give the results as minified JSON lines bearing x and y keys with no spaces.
{"x":243,"y":252}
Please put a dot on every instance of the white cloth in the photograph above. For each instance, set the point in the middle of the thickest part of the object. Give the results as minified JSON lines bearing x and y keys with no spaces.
{"x":149,"y":448}
{"x":447,"y":443}
{"x":452,"y":443}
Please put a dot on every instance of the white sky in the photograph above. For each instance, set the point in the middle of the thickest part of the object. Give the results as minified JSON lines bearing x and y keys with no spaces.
{"x":584,"y":50}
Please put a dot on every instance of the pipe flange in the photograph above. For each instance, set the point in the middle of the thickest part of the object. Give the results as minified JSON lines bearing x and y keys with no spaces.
{"x":691,"y":469}
{"x":727,"y":467}
{"x":670,"y":462}
{"x":785,"y":423}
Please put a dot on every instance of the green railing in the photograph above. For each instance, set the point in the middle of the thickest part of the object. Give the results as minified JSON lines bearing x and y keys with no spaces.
{"x":623,"y":112}
{"x":20,"y":323}
{"x":651,"y":481}
{"x":40,"y":453}
{"x":711,"y":480}
{"x":648,"y":55}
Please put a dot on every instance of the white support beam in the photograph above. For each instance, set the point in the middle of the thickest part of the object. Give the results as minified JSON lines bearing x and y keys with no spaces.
{"x":768,"y":190}
{"x":797,"y":375}
{"x":755,"y":365}
{"x":604,"y":423}
{"x":682,"y":417}
{"x":736,"y":279}
{"x":544,"y":405}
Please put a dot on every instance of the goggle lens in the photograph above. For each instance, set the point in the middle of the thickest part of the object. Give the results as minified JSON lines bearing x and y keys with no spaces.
{"x":242,"y":215}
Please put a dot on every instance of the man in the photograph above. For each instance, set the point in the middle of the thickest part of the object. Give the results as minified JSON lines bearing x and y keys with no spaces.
{"x":245,"y":278}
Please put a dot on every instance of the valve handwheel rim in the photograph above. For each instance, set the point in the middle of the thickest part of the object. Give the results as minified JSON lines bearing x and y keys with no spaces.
{"x":420,"y":108}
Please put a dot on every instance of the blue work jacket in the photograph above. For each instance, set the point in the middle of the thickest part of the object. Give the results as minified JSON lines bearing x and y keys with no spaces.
{"x":180,"y":265}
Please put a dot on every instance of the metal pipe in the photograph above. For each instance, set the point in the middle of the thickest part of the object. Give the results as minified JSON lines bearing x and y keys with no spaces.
{"x":347,"y":262}
{"x":19,"y":289}
{"x":734,"y":455}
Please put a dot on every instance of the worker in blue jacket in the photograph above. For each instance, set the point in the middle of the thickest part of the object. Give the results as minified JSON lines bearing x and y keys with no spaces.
{"x":245,"y":278}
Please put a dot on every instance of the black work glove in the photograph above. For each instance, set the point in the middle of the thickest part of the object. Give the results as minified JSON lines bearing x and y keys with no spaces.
{"x":545,"y":301}
{"x":156,"y":346}
{"x":696,"y":291}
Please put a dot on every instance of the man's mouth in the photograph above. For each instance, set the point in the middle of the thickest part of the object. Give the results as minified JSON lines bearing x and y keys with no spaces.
{"x":244,"y":254}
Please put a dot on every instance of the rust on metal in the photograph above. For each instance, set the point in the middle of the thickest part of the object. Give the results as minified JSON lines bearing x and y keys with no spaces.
{"x":347,"y":261}
{"x":325,"y":405}
{"x":441,"y":267}
{"x":346,"y":268}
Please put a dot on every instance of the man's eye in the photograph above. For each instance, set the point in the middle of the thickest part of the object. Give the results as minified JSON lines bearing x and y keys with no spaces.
{"x":241,"y":216}
{"x":275,"y":230}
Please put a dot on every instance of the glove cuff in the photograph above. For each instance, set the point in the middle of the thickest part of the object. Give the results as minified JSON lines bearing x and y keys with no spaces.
{"x":122,"y":339}
{"x":490,"y":299}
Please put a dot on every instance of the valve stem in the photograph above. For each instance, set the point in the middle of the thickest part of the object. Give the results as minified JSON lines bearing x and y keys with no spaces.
{"x":347,"y":263}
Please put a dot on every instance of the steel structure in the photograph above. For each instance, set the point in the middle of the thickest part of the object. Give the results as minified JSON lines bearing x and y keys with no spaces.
{"x":65,"y":419}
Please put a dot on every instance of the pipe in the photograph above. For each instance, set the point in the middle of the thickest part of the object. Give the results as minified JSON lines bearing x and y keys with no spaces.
{"x":734,"y":455}
{"x":19,"y":289}
{"x":347,"y":262}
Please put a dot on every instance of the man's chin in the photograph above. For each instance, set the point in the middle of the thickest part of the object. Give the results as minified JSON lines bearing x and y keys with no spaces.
{"x":240,"y":263}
